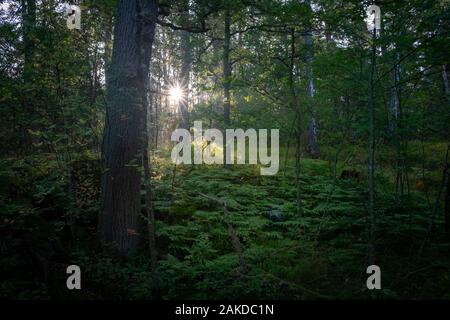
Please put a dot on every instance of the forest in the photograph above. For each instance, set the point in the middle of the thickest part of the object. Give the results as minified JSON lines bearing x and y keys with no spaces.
{"x":349,"y":105}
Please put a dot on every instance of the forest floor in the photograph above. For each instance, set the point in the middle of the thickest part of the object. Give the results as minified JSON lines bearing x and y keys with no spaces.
{"x":320,"y":254}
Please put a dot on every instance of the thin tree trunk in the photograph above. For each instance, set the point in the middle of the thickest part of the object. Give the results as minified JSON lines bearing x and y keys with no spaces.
{"x":394,"y":105}
{"x":437,"y":200}
{"x":226,"y":80}
{"x":371,"y":156}
{"x":447,"y":205}
{"x":312,"y":147}
{"x":298,"y":131}
{"x":108,"y":47}
{"x":394,"y":128}
{"x":447,"y":194}
{"x":226,"y":69}
{"x":288,"y":145}
{"x":186,"y":61}
{"x":445,"y":81}
{"x":124,"y":137}
{"x":149,"y":209}
{"x":28,"y":25}
{"x":155,"y":119}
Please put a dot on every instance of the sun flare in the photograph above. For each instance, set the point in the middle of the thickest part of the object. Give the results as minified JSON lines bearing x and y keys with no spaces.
{"x":176,"y":93}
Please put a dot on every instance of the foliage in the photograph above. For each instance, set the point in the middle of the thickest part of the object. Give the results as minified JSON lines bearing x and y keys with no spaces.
{"x":53,"y":85}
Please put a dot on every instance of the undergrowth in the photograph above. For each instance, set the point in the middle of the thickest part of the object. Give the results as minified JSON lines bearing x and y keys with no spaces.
{"x":318,"y":255}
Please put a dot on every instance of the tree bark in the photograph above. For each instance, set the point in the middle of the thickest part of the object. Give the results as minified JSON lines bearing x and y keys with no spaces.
{"x":395,"y":128}
{"x":445,"y":82}
{"x":395,"y":99}
{"x":312,"y":147}
{"x":298,"y":130}
{"x":447,"y":169}
{"x":226,"y":69}
{"x":186,"y":62}
{"x":28,"y":25}
{"x":447,"y":205}
{"x":149,"y":210}
{"x":108,"y":46}
{"x":226,"y":80}
{"x":371,"y":156}
{"x":124,"y":136}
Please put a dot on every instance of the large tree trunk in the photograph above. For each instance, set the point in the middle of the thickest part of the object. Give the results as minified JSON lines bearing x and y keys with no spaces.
{"x":312,"y":147}
{"x":186,"y":61}
{"x":124,"y":134}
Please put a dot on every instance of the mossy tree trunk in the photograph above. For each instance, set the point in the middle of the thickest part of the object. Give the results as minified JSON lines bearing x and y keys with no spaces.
{"x":124,"y":133}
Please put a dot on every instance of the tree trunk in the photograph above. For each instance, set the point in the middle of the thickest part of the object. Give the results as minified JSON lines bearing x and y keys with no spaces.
{"x":447,"y":193}
{"x":226,"y":80}
{"x":445,"y":81}
{"x":371,"y":156}
{"x":395,"y":128}
{"x":28,"y":25}
{"x":149,"y":210}
{"x":108,"y":47}
{"x":226,"y":69}
{"x":186,"y":61}
{"x":124,"y":135}
{"x":298,"y":129}
{"x":312,"y":146}
{"x":155,"y":120}
{"x":394,"y":105}
{"x":447,"y":205}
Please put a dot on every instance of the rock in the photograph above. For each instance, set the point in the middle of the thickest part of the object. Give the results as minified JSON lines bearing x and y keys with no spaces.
{"x":275,"y":215}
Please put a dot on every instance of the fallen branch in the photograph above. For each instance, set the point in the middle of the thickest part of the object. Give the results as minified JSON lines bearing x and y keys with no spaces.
{"x":237,"y":246}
